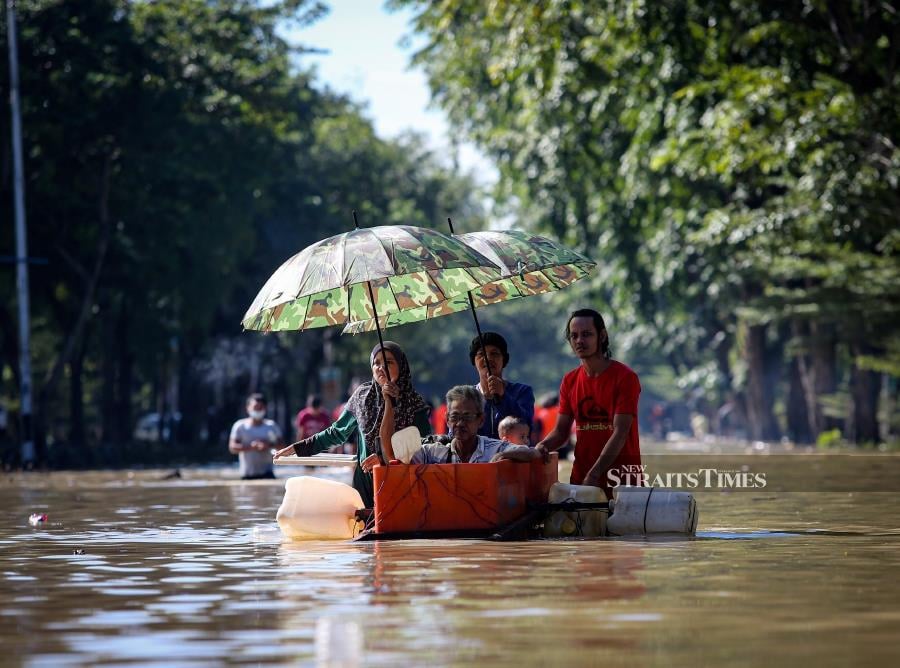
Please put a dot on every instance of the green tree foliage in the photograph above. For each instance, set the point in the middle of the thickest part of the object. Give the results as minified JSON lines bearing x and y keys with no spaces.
{"x":733,"y":165}
{"x":176,"y":154}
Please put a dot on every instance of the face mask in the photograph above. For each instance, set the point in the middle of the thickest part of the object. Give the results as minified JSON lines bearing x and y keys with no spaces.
{"x":256,"y":415}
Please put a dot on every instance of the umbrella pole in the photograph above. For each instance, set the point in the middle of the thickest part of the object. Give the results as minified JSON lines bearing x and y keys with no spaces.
{"x":490,"y":397}
{"x":387,"y":371}
{"x":385,"y":447}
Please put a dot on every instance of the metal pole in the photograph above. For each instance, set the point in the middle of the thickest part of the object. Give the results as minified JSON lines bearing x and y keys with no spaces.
{"x":26,"y":435}
{"x":489,"y":397}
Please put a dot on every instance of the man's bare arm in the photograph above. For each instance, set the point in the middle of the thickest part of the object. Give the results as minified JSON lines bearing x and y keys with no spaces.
{"x":520,"y":453}
{"x":558,"y":437}
{"x":621,"y":426}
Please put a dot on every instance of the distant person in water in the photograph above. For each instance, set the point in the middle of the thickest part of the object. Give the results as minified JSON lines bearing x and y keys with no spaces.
{"x":253,"y":438}
{"x":514,"y":430}
{"x":312,"y":419}
{"x":372,"y":420}
{"x":601,"y":397}
{"x":500,"y":397}
{"x":465,"y":414}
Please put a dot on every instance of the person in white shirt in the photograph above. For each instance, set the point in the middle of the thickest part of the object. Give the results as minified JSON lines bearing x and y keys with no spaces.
{"x":253,"y":439}
{"x":465,"y":415}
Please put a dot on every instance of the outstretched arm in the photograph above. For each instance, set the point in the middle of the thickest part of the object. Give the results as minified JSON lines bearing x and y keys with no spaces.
{"x":338,"y":432}
{"x":558,"y":437}
{"x":519,"y":453}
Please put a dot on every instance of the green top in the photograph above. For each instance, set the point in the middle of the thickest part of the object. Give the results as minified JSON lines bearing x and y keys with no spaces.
{"x":341,"y":431}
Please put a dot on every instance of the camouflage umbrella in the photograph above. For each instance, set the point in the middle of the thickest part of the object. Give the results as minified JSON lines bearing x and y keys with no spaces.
{"x":366,"y":273}
{"x":531,"y":265}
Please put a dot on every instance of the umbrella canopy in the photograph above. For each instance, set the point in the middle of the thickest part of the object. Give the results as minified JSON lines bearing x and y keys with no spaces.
{"x":354,"y":275}
{"x":531,"y":265}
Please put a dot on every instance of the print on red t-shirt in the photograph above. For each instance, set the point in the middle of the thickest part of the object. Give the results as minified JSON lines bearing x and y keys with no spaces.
{"x":593,"y":402}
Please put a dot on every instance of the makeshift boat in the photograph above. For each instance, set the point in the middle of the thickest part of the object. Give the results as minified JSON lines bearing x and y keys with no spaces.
{"x":498,"y":501}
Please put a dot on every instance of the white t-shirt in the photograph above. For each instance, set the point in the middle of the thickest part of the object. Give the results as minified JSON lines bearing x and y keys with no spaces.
{"x":254,"y":462}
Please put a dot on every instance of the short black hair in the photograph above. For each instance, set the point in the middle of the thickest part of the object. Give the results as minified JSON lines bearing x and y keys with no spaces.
{"x":598,"y":324}
{"x":313,"y":401}
{"x":490,"y":339}
{"x":257,"y":396}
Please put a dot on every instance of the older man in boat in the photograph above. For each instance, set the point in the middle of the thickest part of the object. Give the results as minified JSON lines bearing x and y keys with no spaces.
{"x":465,"y":415}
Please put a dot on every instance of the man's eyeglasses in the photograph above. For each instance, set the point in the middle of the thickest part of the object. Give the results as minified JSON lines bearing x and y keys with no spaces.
{"x":462,"y":417}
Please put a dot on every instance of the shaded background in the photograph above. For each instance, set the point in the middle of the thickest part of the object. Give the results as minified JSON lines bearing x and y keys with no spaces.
{"x":732,"y":167}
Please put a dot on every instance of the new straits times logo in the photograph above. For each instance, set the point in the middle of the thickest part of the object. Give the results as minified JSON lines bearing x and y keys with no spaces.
{"x":703,"y":478}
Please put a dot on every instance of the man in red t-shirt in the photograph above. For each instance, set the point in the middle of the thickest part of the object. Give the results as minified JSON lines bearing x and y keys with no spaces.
{"x":601,"y":398}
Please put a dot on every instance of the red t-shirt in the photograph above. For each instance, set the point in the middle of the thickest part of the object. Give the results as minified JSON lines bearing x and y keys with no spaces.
{"x":438,"y":419}
{"x":311,"y":422}
{"x":593,"y":402}
{"x":547,"y":418}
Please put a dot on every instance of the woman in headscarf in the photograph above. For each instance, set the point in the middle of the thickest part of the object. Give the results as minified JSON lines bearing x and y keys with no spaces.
{"x":372,"y":419}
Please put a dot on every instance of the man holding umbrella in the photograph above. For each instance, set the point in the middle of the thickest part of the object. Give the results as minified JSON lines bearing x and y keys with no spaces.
{"x":502,"y":397}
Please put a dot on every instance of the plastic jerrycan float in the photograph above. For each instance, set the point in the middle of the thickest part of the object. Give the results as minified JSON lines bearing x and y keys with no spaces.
{"x":315,"y":508}
{"x":580,"y":522}
{"x":652,"y":510}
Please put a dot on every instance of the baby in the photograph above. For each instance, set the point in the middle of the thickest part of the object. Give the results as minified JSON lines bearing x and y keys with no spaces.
{"x":514,"y":430}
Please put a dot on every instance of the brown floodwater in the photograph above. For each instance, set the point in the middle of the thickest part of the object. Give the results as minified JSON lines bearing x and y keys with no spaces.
{"x":132,"y":569}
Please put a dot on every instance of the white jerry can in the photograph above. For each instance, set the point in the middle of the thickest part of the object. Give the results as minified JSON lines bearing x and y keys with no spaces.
{"x":562,"y":523}
{"x":314,"y":508}
{"x":652,"y":510}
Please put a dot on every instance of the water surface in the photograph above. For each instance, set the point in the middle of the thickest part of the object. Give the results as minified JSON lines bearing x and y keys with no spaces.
{"x":132,"y":569}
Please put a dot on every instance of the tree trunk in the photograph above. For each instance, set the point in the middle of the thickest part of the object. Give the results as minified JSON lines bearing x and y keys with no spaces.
{"x":759,"y":394}
{"x":124,"y":378}
{"x":108,"y":379}
{"x":865,"y":387}
{"x":823,"y":358}
{"x":76,"y":403}
{"x":75,"y":332}
{"x":798,"y":418}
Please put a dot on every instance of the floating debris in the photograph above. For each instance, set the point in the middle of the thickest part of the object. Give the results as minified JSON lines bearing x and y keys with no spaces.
{"x":37,"y":518}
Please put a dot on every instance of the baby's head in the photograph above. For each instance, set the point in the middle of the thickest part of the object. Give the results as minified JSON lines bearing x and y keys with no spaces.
{"x":514,"y":429}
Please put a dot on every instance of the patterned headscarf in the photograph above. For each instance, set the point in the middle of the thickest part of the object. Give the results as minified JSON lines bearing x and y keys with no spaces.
{"x":367,"y":403}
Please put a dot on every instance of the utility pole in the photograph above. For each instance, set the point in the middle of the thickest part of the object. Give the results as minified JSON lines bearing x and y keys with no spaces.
{"x":26,"y":436}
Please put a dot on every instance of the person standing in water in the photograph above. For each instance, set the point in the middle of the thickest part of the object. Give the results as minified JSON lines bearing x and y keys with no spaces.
{"x":501,"y":397}
{"x":312,"y":419}
{"x":252,"y":439}
{"x":601,"y":397}
{"x":370,"y":419}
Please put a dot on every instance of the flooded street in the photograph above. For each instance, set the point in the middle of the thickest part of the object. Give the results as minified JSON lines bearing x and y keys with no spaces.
{"x":133,"y":569}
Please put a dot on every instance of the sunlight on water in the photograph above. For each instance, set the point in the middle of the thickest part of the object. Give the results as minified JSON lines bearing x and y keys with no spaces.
{"x":131,"y":569}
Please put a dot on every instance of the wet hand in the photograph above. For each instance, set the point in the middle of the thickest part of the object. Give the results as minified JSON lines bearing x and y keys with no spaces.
{"x":285,"y":452}
{"x":495,"y":386}
{"x":592,"y":480}
{"x":391,"y":390}
{"x":370,"y":462}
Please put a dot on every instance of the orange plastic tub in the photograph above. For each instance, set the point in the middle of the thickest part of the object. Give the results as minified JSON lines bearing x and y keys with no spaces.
{"x":540,"y":478}
{"x":452,"y":497}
